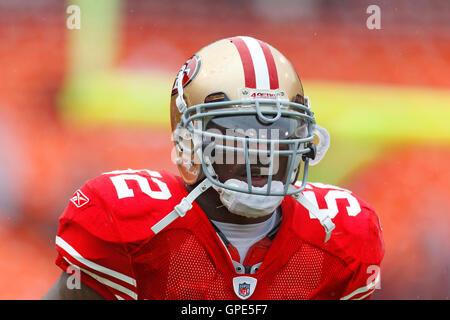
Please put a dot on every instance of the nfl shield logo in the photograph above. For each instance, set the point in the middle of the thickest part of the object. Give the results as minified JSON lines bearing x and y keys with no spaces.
{"x":244,"y":289}
{"x":244,"y":286}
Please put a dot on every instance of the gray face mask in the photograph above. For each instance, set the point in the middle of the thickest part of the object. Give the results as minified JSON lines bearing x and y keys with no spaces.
{"x":294,"y":123}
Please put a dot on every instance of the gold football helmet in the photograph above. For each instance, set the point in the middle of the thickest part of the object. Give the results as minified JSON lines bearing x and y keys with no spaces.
{"x":241,"y":96}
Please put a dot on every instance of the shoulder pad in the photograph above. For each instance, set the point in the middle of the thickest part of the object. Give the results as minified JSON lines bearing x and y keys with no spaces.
{"x":131,"y":200}
{"x":357,"y":234}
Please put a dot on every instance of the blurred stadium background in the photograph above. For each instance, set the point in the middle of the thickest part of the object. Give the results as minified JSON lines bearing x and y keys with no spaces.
{"x":76,"y":103}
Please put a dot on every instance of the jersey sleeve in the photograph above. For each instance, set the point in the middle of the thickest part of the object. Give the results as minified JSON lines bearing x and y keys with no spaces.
{"x":90,"y":245}
{"x":364,"y":283}
{"x":367,"y":276}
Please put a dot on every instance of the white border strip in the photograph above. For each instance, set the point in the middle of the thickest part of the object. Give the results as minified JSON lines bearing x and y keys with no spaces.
{"x":367,"y":294}
{"x":370,"y":286}
{"x":259,"y":63}
{"x":74,"y":254}
{"x":107,"y":282}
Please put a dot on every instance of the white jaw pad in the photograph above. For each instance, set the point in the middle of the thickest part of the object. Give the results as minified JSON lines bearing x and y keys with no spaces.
{"x":250,"y":205}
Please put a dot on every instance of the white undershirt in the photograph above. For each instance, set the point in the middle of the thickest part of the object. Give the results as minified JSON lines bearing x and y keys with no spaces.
{"x":243,"y":236}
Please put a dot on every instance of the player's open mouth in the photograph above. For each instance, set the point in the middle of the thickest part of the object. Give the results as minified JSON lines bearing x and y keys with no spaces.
{"x":258,"y":180}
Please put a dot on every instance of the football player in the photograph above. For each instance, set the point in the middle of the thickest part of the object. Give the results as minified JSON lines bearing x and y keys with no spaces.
{"x":241,"y":221}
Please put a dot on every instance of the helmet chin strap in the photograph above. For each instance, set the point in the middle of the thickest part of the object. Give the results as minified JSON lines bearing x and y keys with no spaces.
{"x":184,"y":206}
{"x":180,"y":102}
{"x":324,"y":219}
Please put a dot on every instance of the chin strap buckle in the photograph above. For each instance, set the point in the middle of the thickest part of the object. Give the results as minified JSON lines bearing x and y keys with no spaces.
{"x":183,"y":207}
{"x":329,"y":226}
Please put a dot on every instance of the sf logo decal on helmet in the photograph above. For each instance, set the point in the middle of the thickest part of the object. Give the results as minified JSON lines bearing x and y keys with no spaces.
{"x":188,"y":71}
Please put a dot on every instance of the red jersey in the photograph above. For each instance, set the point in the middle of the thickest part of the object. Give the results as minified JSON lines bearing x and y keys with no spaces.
{"x":106,"y":232}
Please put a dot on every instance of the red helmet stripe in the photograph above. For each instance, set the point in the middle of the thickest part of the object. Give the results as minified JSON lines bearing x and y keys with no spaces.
{"x":247,"y":62}
{"x":273,"y":74}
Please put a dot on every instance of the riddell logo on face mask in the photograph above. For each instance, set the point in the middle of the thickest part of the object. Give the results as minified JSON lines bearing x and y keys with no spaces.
{"x":237,"y":146}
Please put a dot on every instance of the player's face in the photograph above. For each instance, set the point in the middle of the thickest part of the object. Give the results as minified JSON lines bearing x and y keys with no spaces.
{"x":259,"y":175}
{"x":233,"y":164}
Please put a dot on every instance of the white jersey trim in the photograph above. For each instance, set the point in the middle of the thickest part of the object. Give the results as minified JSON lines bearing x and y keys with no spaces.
{"x":74,"y":254}
{"x":106,"y":282}
{"x":369,"y":287}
